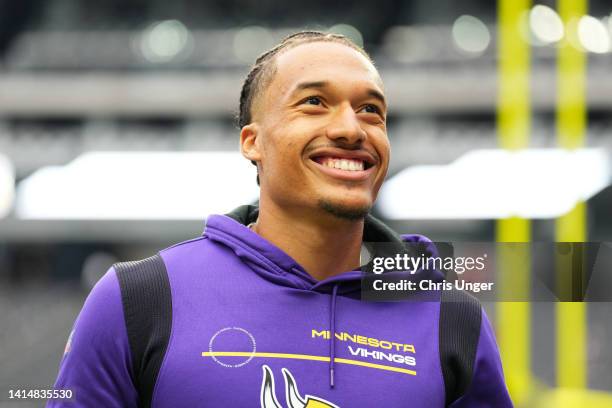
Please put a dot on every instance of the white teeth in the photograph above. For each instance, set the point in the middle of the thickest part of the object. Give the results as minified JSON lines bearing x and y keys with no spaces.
{"x":343,"y":164}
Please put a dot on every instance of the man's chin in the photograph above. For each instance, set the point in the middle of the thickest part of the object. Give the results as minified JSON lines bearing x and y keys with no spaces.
{"x":344,"y":211}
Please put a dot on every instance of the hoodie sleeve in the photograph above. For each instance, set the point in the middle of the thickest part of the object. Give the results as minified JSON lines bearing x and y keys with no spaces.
{"x":487,"y":388}
{"x":96,"y":365}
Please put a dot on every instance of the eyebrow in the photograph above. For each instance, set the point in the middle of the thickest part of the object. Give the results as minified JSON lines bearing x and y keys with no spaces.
{"x":323,"y":84}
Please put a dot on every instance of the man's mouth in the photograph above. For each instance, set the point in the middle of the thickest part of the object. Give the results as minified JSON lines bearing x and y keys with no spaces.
{"x":353,"y":166}
{"x":342,"y":164}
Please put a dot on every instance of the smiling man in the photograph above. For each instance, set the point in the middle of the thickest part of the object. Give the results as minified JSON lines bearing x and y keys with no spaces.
{"x":315,"y":125}
{"x":264,"y":308}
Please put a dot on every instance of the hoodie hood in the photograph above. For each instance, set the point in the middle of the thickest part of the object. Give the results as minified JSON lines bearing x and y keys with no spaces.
{"x":273,"y":264}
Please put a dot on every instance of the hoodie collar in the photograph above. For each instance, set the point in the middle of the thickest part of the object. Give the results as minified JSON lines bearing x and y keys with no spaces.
{"x":374,"y":230}
{"x":275,"y":265}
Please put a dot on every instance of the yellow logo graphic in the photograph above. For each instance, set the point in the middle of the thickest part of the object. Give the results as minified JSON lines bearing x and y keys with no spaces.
{"x":294,"y":399}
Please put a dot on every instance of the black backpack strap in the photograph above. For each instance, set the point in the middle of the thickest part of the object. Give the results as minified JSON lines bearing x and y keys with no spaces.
{"x":147,"y":306}
{"x":459,"y":331}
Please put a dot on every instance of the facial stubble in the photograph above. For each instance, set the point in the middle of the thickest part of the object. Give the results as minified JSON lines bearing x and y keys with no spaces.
{"x":344,"y":212}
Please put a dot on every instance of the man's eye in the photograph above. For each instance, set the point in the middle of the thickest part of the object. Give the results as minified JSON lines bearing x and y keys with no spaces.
{"x":371,"y":109}
{"x":313,"y":100}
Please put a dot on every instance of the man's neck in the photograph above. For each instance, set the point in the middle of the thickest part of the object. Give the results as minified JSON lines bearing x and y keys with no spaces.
{"x":323,"y":244}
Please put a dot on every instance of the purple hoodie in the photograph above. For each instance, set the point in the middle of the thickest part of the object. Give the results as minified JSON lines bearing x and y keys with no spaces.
{"x":250,"y":327}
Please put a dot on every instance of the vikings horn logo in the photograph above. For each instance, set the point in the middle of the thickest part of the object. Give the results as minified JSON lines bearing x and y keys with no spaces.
{"x":294,"y":399}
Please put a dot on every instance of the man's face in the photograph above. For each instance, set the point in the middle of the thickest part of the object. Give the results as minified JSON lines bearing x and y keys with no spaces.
{"x":321,"y":139}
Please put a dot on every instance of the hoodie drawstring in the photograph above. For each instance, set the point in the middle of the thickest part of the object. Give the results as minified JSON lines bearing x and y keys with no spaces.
{"x":332,"y":335}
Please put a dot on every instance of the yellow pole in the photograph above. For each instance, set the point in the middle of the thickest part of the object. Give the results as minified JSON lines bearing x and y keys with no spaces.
{"x":513,"y":105}
{"x":513,"y":129}
{"x":514,"y":318}
{"x":571,"y":227}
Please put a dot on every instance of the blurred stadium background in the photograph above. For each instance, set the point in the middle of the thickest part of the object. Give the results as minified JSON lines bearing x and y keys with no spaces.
{"x":117,"y":137}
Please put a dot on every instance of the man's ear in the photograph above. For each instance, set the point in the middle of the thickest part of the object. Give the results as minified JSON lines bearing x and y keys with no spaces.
{"x":249,"y":144}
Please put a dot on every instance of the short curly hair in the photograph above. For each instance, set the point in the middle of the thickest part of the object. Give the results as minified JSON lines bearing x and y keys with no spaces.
{"x":262,"y":72}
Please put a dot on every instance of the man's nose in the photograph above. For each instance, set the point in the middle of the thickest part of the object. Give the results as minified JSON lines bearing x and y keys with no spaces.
{"x":345,"y":125}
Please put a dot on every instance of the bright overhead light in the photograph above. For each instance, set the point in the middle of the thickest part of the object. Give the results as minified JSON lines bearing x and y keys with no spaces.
{"x":593,"y":35}
{"x":165,"y":40}
{"x":139,"y":185}
{"x":545,"y":24}
{"x":471,"y":35}
{"x":491,"y":184}
{"x":7,"y":185}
